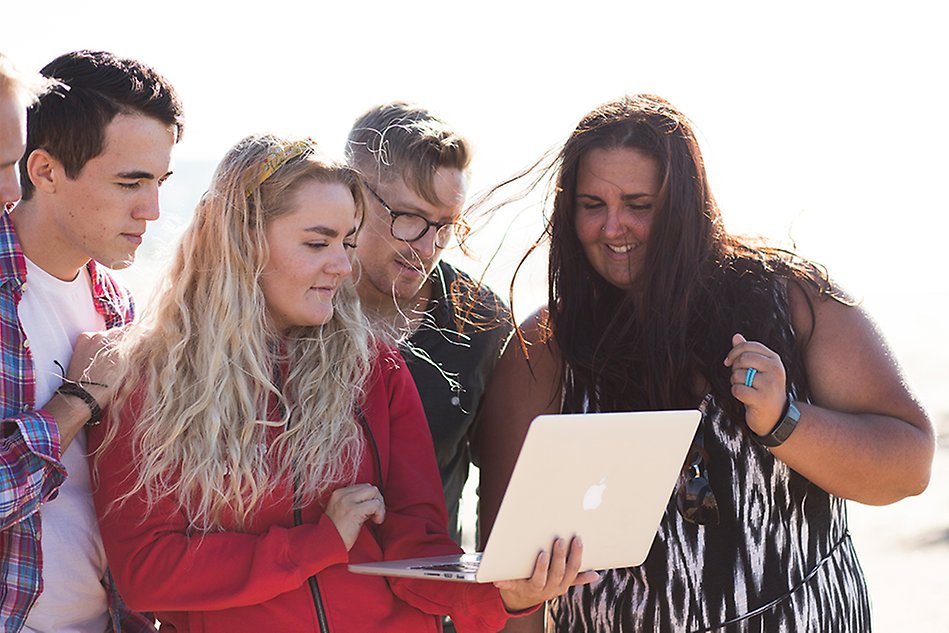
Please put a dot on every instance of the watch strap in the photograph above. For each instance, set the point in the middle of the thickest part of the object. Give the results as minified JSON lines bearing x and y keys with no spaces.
{"x":70,"y":388}
{"x":783,"y":429}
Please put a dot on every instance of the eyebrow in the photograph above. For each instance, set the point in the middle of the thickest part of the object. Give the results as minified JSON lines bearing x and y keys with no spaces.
{"x":625,"y":196}
{"x":327,"y":231}
{"x":139,"y":175}
{"x":412,"y":209}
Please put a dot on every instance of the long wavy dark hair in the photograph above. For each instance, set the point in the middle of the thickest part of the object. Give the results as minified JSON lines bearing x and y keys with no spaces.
{"x":660,"y":345}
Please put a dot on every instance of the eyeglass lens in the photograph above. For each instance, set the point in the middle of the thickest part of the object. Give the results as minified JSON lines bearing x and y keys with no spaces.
{"x":408,"y":228}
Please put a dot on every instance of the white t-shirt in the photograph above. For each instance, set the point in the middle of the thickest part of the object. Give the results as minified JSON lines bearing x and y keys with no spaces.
{"x":53,"y":313}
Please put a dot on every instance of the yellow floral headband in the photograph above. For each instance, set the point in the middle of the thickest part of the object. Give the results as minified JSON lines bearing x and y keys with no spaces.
{"x":277,"y":158}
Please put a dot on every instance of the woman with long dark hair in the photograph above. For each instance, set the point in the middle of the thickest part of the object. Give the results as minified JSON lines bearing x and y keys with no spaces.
{"x":654,"y":305}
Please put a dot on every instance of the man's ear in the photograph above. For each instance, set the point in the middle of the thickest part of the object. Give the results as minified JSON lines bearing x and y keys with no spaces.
{"x":44,"y":170}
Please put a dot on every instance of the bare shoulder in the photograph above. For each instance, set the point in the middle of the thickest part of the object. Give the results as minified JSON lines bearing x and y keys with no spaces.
{"x":525,"y":383}
{"x":526,"y":380}
{"x":531,"y":352}
{"x":849,"y":363}
{"x":834,"y":324}
{"x":537,"y":325}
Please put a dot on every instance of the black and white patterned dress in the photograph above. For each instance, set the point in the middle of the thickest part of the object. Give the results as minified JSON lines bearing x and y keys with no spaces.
{"x":780,"y":559}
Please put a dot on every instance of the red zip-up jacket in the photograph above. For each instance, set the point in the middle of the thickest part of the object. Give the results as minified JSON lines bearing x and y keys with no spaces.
{"x":258,"y":580}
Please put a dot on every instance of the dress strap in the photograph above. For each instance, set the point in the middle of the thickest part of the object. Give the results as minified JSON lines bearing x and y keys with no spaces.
{"x":773,"y":603}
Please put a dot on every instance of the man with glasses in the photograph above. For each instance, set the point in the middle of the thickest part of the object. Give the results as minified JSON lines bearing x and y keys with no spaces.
{"x":450,"y":326}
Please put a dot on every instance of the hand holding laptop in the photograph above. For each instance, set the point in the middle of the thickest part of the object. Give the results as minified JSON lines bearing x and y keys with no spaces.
{"x":553,"y":575}
{"x":624,"y":468}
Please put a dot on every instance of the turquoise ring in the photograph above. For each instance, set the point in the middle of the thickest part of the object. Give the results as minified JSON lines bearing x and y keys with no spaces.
{"x":750,"y":377}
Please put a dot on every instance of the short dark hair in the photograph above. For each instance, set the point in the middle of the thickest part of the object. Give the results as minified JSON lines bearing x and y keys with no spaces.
{"x":69,"y":122}
{"x":404,"y":139}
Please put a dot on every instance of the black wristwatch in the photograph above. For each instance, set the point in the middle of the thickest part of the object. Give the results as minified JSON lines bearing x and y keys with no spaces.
{"x":783,"y":429}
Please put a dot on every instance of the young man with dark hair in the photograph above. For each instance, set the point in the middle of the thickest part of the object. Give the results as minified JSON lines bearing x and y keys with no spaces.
{"x":98,"y":147}
{"x":452,"y":327}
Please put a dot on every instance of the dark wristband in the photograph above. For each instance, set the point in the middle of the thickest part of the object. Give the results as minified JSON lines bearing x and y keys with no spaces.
{"x":783,"y":429}
{"x":70,"y":388}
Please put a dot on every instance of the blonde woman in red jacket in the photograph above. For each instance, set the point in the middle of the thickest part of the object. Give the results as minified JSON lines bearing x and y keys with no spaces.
{"x":262,"y":439}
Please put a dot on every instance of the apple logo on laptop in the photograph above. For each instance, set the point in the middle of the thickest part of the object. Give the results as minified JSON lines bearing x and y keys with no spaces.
{"x":594,"y":495}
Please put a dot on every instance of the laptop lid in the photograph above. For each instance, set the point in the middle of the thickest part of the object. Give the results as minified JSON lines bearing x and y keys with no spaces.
{"x":606,"y":477}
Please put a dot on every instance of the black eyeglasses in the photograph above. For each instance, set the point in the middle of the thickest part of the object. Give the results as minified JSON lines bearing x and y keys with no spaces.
{"x":409,"y":227}
{"x":694,"y":497}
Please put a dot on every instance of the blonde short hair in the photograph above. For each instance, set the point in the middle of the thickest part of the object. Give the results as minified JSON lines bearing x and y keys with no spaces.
{"x":26,"y":87}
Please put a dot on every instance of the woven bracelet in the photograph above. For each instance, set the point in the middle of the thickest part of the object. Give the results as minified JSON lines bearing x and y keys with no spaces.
{"x":70,"y":388}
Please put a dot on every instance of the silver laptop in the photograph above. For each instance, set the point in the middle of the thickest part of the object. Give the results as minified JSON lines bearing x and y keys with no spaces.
{"x":606,"y":477}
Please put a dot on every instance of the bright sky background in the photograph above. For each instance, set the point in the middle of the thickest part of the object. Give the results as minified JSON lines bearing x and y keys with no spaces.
{"x":825,"y":122}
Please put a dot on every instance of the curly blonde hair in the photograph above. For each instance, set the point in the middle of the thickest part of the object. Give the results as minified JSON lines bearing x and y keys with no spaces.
{"x":206,"y":370}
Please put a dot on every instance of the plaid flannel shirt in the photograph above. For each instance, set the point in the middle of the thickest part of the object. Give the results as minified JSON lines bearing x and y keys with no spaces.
{"x":30,"y":468}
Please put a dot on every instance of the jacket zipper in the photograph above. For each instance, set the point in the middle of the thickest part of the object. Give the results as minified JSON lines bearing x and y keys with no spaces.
{"x":298,"y":520}
{"x":311,"y":581}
